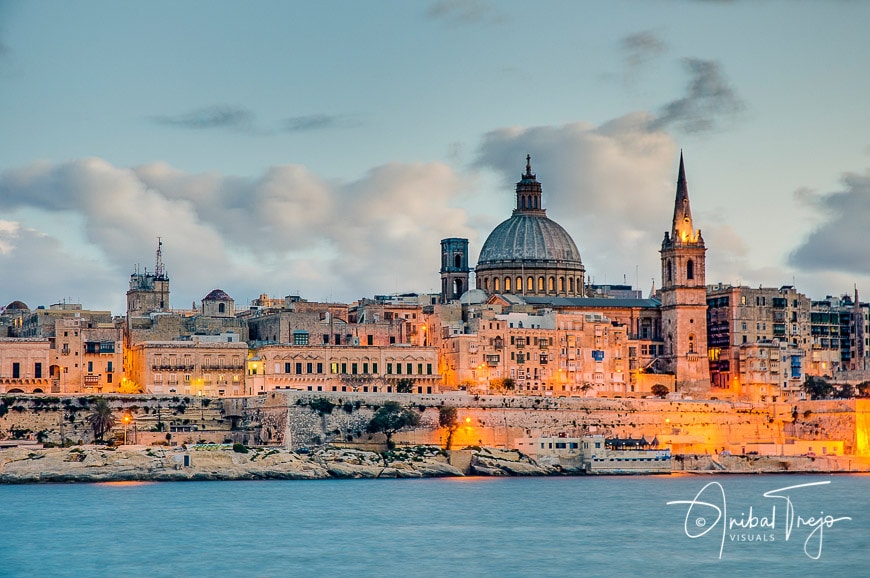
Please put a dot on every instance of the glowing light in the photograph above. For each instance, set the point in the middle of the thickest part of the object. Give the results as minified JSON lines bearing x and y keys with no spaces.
{"x":468,"y":420}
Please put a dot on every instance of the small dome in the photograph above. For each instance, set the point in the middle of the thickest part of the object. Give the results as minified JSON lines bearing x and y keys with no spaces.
{"x":217,"y":295}
{"x":17,"y":305}
{"x":473,"y":297}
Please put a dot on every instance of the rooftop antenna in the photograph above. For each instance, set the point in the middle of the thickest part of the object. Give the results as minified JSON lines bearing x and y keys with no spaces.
{"x":158,"y":269}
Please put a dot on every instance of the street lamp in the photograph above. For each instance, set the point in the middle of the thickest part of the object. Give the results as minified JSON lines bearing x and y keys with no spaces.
{"x":126,"y":419}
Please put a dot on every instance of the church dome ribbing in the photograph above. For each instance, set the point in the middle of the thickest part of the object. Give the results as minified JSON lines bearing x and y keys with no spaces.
{"x":531,"y":244}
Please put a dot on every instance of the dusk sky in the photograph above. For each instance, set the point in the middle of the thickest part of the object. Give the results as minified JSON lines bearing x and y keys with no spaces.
{"x":323,"y":149}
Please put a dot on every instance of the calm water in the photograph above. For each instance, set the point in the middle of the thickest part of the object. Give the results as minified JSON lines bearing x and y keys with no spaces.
{"x":475,"y":526}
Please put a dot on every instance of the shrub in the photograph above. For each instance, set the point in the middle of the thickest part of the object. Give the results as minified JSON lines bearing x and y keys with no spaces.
{"x":240,"y":448}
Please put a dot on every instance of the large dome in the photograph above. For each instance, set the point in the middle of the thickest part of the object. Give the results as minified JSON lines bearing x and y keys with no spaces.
{"x":526,"y":237}
{"x":529,"y":253}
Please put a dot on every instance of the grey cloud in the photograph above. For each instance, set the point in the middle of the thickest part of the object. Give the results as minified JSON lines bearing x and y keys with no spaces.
{"x":466,"y":12}
{"x":221,"y":116}
{"x":839,"y":243}
{"x":315,"y":122}
{"x":641,"y":47}
{"x":709,"y":101}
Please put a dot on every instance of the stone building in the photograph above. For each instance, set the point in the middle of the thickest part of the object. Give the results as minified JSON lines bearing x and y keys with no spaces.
{"x":684,"y":297}
{"x":211,"y":369}
{"x":375,"y":369}
{"x":24,"y":365}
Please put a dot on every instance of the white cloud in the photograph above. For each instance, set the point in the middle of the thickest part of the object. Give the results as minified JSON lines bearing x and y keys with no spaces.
{"x":287,"y":231}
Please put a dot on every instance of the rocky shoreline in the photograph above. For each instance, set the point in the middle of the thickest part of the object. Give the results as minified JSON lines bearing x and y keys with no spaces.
{"x":88,"y":464}
{"x":218,"y":462}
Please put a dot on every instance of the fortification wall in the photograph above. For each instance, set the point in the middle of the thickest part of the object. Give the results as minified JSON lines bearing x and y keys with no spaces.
{"x":309,"y":419}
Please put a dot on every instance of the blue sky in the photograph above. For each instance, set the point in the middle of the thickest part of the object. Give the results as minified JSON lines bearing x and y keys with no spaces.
{"x":324,"y":148}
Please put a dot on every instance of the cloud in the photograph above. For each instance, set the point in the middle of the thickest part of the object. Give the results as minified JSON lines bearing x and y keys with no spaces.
{"x":466,"y":12}
{"x":39,"y":271}
{"x":640,"y":48}
{"x":839,"y":242}
{"x":221,"y":116}
{"x":610,"y":186}
{"x":709,"y":101}
{"x":315,"y":122}
{"x":285,"y":231}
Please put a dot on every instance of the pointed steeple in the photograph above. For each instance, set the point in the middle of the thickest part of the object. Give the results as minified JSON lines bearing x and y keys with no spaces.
{"x":529,"y":192}
{"x":683,"y":230}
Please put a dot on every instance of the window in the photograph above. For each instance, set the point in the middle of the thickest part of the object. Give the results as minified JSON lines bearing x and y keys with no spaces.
{"x":428,"y":369}
{"x":16,"y":370}
{"x":374,"y":367}
{"x":37,"y":370}
{"x":370,"y":339}
{"x":90,"y":367}
{"x":109,"y":367}
{"x":300,"y":338}
{"x":690,"y":269}
{"x":298,"y":368}
{"x":389,"y":369}
{"x":286,"y":368}
{"x":320,"y":367}
{"x":309,"y":367}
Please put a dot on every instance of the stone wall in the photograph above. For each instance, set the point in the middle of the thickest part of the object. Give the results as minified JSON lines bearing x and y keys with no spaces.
{"x":310,"y":419}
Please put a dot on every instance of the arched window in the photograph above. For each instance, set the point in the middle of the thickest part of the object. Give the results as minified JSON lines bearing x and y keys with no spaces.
{"x":497,"y":286}
{"x":519,"y":284}
{"x":571,"y":285}
{"x":457,"y":260}
{"x":221,"y":308}
{"x":690,"y":269}
{"x":458,"y":288}
{"x":444,"y":260}
{"x":691,"y":340}
{"x":561,"y":284}
{"x":486,"y":284}
{"x":551,"y":284}
{"x":507,"y":283}
{"x":541,"y":284}
{"x":669,"y":271}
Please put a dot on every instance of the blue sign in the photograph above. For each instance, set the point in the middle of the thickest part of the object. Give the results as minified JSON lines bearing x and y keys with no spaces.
{"x":597,"y":355}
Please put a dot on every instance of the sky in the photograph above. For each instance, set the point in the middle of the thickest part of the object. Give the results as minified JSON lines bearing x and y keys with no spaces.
{"x":323,"y":149}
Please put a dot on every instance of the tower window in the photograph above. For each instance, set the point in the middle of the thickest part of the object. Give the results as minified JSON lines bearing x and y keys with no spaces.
{"x":507,"y":283}
{"x":669,"y":268}
{"x":457,"y":261}
{"x":690,"y":269}
{"x":221,"y":308}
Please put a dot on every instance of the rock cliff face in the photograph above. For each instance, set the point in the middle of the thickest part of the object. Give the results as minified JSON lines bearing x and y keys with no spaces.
{"x":136,"y":463}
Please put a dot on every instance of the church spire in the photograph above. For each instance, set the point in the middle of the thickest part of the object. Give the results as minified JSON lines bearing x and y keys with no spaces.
{"x":683,"y":230}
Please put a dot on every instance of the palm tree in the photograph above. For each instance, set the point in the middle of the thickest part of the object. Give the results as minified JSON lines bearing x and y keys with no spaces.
{"x":102,"y":420}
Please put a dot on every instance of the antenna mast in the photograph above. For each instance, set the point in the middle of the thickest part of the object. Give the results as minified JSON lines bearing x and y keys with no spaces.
{"x":158,"y":270}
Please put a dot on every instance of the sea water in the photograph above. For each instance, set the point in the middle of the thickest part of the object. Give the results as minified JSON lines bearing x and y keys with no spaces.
{"x":808,"y":525}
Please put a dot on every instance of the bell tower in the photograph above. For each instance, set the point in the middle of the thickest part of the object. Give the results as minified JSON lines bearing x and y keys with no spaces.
{"x":454,"y":268}
{"x":684,"y":297}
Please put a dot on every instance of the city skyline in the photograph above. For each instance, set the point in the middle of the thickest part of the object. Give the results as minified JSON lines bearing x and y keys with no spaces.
{"x":324,"y":150}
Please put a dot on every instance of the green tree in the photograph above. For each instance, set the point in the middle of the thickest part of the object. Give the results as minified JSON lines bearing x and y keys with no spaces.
{"x":405,"y":385}
{"x":659,"y":390}
{"x":448,"y":419}
{"x":102,"y":419}
{"x":502,"y":385}
{"x":845,"y":391}
{"x":390,"y":418}
{"x":817,"y":387}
